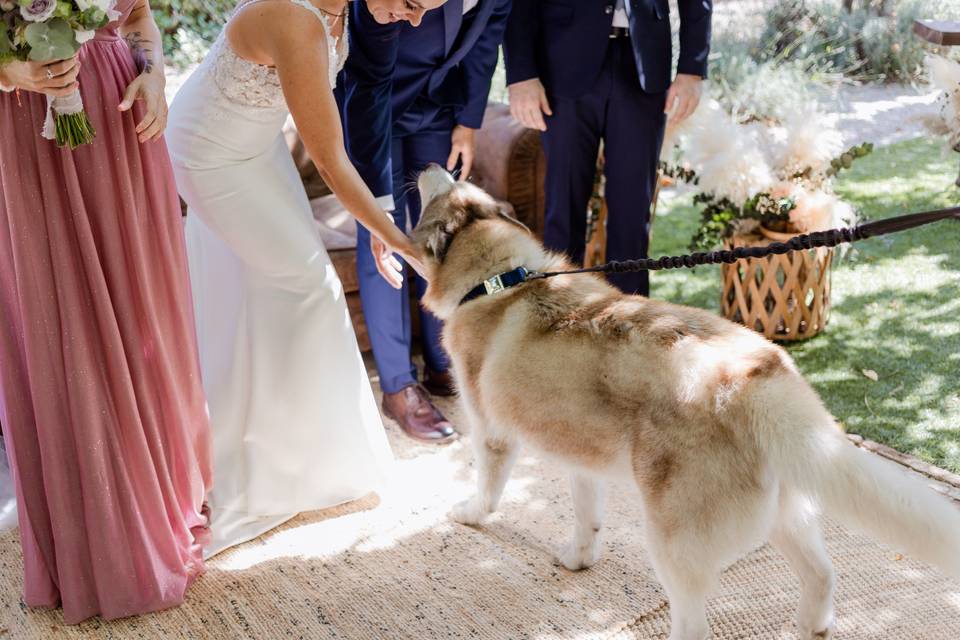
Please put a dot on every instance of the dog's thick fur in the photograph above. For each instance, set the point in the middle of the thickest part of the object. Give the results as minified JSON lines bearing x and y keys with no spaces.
{"x":728,"y":444}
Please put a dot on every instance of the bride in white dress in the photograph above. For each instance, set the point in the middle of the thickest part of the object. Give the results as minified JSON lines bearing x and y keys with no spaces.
{"x":295,"y":424}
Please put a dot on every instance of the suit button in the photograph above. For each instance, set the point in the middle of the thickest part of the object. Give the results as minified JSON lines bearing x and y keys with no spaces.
{"x":608,"y":9}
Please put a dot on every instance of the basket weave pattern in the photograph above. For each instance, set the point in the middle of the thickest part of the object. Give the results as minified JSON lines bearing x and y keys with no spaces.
{"x":785,"y":297}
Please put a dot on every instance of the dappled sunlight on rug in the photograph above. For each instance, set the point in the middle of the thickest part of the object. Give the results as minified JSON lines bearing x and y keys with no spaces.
{"x":394,"y":566}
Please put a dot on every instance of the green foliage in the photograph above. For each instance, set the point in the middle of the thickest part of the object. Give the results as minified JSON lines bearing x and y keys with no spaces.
{"x":6,"y":47}
{"x":51,"y":40}
{"x":846,"y":159}
{"x":873,"y":40}
{"x":189,"y":27}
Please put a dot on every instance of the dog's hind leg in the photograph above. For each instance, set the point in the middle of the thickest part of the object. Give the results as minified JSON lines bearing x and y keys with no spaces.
{"x":797,"y":536}
{"x":583,"y":551}
{"x":687,"y":575}
{"x":494,"y":459}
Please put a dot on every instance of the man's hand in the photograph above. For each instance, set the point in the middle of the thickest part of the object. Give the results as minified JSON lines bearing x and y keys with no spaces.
{"x":683,"y":97}
{"x":463,"y":146}
{"x":528,"y":103}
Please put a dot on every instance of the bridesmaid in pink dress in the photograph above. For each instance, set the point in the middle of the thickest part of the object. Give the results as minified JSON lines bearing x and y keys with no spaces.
{"x":101,"y":404}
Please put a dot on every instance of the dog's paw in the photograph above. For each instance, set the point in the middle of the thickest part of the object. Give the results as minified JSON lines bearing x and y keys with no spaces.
{"x":468,"y":512}
{"x":577,"y":557}
{"x":823,"y":634}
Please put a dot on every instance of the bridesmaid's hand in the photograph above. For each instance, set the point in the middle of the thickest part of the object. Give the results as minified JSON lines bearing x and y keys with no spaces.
{"x":57,"y":78}
{"x":148,"y":87}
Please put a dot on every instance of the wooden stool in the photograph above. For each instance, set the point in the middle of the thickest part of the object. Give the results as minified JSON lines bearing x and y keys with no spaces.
{"x":941,"y":33}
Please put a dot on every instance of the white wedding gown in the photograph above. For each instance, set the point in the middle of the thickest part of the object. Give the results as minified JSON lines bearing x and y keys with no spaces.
{"x":295,"y":423}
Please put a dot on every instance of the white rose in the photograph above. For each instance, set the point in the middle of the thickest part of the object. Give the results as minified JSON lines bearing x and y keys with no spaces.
{"x":6,"y":5}
{"x":83,"y":36}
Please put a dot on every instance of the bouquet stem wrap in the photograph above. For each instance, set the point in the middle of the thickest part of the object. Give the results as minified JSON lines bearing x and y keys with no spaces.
{"x":67,"y":122}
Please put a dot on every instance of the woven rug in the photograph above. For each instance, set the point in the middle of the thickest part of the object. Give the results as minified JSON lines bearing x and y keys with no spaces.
{"x":393,"y":566}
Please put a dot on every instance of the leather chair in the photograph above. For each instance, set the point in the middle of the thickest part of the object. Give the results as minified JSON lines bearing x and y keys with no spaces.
{"x":509,"y":165}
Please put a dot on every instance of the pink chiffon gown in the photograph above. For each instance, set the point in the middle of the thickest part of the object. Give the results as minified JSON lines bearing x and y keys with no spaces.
{"x":101,"y":403}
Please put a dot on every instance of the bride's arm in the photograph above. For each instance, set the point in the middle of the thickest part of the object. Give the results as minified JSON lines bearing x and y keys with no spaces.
{"x":297,"y":51}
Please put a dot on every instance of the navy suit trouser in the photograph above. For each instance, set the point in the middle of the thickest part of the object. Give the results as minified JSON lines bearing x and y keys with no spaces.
{"x":630,"y":122}
{"x":387,"y":310}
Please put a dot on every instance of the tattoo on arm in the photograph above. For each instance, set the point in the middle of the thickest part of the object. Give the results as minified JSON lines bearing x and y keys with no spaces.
{"x":141,"y":49}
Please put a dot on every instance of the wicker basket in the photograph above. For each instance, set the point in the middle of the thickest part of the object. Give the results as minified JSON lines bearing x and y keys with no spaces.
{"x":784,"y":297}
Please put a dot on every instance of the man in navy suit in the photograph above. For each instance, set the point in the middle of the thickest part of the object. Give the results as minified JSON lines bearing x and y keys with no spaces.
{"x":582,"y":71}
{"x":414,"y":95}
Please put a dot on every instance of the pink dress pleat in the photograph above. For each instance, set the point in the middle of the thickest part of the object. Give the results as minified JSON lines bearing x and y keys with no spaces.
{"x":101,"y":403}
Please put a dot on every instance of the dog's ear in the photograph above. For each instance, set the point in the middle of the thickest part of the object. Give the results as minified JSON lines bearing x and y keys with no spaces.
{"x":504,"y":215}
{"x":439,"y":237}
{"x":440,"y":232}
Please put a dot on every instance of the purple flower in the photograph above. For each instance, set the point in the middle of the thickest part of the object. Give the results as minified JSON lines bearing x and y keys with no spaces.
{"x":39,"y":10}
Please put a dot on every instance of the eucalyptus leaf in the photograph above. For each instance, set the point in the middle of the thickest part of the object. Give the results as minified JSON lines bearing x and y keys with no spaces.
{"x":52,"y":40}
{"x":5,"y":45}
{"x":94,"y":18}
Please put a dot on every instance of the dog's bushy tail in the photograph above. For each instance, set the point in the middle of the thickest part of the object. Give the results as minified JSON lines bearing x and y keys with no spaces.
{"x":860,"y":489}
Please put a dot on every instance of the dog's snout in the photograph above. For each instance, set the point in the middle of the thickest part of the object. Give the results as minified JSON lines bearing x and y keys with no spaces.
{"x":434,"y":181}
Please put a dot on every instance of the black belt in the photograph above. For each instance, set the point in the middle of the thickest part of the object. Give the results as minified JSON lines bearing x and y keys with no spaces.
{"x":619,"y":32}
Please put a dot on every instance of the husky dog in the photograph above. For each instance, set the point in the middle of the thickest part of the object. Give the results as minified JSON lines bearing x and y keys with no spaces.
{"x":728,"y":444}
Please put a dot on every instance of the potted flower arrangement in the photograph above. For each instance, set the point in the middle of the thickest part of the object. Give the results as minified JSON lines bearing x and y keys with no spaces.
{"x":757,"y":182}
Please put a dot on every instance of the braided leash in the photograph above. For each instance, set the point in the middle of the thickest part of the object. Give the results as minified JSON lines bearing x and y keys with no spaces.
{"x":830,"y":238}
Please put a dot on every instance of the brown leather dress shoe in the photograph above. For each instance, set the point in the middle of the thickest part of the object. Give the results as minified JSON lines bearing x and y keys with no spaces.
{"x":418,"y":418}
{"x":439,"y":384}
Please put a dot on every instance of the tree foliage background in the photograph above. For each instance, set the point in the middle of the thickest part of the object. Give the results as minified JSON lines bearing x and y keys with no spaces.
{"x":189,"y":27}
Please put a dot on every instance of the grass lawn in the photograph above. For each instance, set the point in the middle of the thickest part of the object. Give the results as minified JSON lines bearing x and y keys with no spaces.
{"x":896,"y":305}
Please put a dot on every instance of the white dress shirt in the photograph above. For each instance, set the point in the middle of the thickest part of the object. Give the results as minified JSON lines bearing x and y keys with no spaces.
{"x":621,"y":16}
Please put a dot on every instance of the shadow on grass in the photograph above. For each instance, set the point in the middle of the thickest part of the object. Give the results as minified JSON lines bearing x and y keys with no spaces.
{"x":913,"y":405}
{"x":896,"y":305}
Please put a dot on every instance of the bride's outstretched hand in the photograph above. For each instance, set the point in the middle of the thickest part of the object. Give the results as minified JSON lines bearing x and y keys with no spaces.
{"x":414,"y":259}
{"x":387,"y":264}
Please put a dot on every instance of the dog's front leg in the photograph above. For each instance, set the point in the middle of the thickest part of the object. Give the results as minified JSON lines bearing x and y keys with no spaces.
{"x":494,"y":459}
{"x":583,"y":551}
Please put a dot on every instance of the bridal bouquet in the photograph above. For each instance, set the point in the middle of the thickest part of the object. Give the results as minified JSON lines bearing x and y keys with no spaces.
{"x":49,"y":30}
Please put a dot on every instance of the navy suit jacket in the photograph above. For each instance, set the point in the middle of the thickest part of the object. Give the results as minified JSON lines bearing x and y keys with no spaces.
{"x":397,"y":73}
{"x":563,"y":42}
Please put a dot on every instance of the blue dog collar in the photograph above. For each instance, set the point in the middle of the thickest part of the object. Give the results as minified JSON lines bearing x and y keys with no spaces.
{"x":497,"y":283}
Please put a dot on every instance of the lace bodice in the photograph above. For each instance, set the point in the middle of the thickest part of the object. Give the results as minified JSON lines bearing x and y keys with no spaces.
{"x":257,"y":86}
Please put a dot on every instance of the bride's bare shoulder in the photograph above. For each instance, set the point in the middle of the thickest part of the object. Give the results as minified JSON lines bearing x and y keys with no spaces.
{"x":259,"y":29}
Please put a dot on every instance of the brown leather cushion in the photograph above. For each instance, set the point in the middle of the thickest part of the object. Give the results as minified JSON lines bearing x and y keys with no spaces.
{"x":312,"y":182}
{"x":337,"y":227}
{"x":509,"y":165}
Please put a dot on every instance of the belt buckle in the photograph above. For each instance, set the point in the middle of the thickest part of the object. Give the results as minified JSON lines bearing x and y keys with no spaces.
{"x":493,"y":285}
